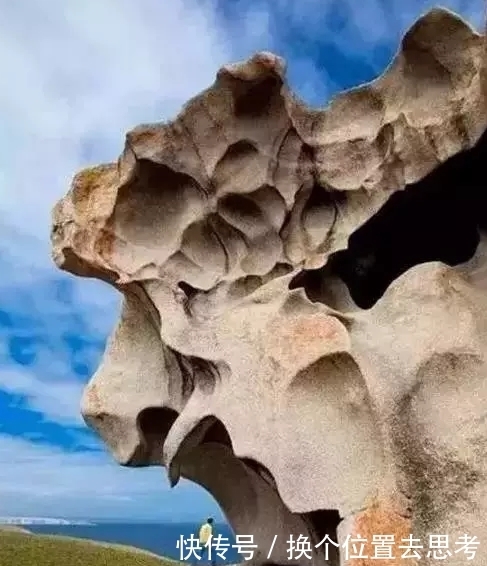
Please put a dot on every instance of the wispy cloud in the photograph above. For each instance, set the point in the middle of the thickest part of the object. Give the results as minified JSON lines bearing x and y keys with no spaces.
{"x":78,"y":75}
{"x":81,"y":74}
{"x":44,"y":480}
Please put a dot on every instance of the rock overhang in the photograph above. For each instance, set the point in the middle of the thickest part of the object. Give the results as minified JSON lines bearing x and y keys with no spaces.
{"x":203,"y":222}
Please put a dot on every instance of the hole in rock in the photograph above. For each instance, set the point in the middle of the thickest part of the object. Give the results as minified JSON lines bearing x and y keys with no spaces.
{"x":325,"y":522}
{"x":249,"y":493}
{"x":199,"y":373}
{"x":438,"y":218}
{"x":319,"y":523}
{"x":151,"y":208}
{"x":154,"y":423}
{"x":154,"y":177}
{"x":188,"y":289}
{"x":254,"y":100}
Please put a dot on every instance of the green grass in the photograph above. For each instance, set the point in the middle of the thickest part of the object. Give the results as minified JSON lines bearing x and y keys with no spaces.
{"x":23,"y":549}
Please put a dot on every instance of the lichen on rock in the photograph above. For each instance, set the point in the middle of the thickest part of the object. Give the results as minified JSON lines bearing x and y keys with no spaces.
{"x":296,"y":412}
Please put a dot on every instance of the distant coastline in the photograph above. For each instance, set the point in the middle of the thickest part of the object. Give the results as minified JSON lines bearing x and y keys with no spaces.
{"x":41,"y":521}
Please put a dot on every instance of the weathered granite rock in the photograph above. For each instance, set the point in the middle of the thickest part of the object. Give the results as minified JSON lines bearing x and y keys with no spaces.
{"x":299,"y":416}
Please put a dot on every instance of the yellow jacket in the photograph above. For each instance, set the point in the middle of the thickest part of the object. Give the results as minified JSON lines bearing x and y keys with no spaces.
{"x":205,"y":533}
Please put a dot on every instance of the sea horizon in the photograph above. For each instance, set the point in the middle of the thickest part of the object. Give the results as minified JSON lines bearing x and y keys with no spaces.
{"x":97,"y":520}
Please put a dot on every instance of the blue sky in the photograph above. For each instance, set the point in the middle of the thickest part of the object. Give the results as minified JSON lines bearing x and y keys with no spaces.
{"x":79,"y":73}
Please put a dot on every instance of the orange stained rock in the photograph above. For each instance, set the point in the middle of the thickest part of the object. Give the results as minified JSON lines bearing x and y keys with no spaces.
{"x":381,"y":519}
{"x":307,"y":338}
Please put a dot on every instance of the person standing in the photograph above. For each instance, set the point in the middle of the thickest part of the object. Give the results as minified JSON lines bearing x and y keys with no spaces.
{"x":205,"y":536}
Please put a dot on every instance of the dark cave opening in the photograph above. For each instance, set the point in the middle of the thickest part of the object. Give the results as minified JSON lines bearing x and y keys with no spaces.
{"x":438,"y":218}
{"x":325,"y":522}
{"x":253,"y":100}
{"x":153,"y":423}
{"x":188,"y":289}
{"x":319,"y":523}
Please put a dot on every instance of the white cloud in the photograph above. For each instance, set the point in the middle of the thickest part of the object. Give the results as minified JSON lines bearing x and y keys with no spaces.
{"x":40,"y":480}
{"x":79,"y":74}
{"x":52,"y":332}
{"x":55,"y":400}
{"x":82,"y":73}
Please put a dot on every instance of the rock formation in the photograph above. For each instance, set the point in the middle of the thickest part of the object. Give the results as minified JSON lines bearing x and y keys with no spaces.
{"x":301,"y":414}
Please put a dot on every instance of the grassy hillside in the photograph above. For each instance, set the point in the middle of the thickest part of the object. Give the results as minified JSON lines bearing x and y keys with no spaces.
{"x":22,"y":549}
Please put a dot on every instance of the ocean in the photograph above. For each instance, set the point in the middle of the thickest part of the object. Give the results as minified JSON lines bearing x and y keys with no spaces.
{"x":158,"y":538}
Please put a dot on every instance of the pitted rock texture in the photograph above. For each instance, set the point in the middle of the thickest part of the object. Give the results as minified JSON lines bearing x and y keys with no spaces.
{"x":294,"y":414}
